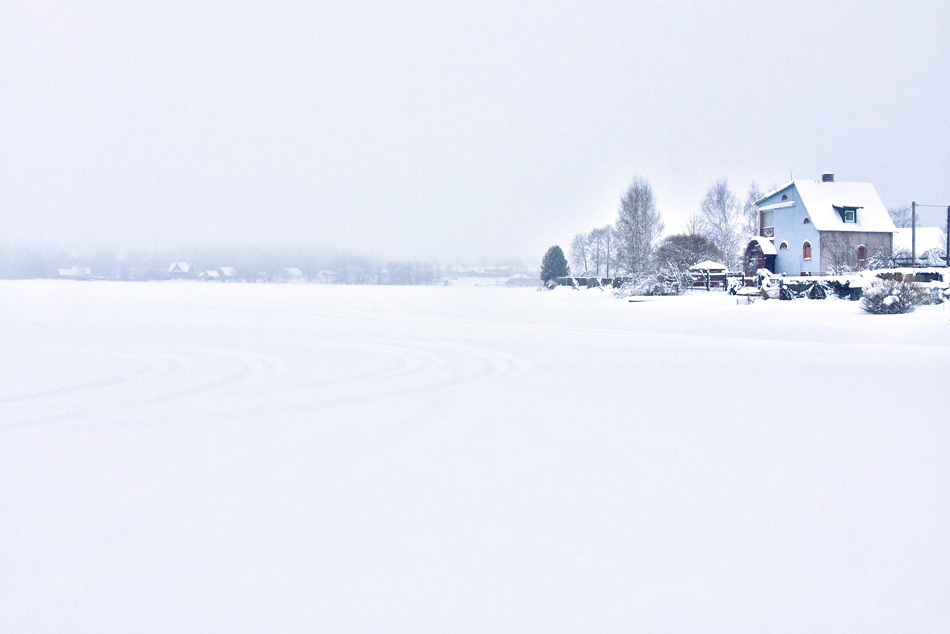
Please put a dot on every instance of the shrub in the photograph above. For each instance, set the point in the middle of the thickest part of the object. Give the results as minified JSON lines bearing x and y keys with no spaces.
{"x":889,"y":297}
{"x":649,"y":284}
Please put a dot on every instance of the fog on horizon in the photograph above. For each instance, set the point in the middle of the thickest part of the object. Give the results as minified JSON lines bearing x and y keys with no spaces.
{"x":462,"y":131}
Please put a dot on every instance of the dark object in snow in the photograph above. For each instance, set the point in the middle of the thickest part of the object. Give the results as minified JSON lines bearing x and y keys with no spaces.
{"x":785,"y":293}
{"x":844,"y":290}
{"x":816,"y":291}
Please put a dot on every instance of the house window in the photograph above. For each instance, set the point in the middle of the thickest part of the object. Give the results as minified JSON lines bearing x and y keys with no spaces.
{"x":784,"y":197}
{"x":806,"y":251}
{"x":783,"y":246}
{"x":807,"y":221}
{"x":848,"y":214}
{"x":862,"y":254}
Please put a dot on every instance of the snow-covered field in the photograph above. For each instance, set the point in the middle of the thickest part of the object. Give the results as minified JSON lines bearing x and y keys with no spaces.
{"x":181,"y":457}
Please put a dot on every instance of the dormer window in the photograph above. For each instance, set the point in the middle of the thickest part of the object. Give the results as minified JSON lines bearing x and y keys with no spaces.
{"x":848,"y":214}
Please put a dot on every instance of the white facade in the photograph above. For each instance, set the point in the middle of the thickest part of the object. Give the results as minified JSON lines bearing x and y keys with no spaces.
{"x":795,"y":216}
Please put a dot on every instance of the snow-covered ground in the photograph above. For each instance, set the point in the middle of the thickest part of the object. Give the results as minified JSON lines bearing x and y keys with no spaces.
{"x":292,"y":458}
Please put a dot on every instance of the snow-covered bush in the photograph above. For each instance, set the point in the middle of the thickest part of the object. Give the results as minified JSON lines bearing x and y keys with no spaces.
{"x":879,"y":260}
{"x":734,"y":284}
{"x":763,"y":277}
{"x":886,"y":297}
{"x":649,"y":284}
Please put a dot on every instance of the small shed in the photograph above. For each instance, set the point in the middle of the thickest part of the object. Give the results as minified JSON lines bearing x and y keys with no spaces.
{"x":759,"y":254}
{"x":708,"y":274}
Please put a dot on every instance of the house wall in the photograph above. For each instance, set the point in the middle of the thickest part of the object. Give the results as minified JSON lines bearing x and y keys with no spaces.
{"x":790,"y":227}
{"x":840,"y":247}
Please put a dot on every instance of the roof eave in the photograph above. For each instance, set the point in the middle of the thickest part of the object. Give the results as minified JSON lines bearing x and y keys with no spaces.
{"x":772,"y":193}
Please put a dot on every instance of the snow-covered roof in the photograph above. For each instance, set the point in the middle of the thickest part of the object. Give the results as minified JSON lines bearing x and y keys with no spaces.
{"x":179,"y":267}
{"x":765,"y":244}
{"x":772,"y":193}
{"x":790,"y":203}
{"x":820,"y":200}
{"x":228,"y":271}
{"x":75,"y":271}
{"x":927,"y":238}
{"x":708,"y":265}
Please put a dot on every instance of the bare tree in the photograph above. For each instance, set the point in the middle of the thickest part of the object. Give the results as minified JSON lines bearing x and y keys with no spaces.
{"x":596,"y":250}
{"x":679,"y":252}
{"x":580,"y":253}
{"x":750,"y":213}
{"x":721,"y":212}
{"x":901,"y":217}
{"x":601,"y":248}
{"x":609,"y":245}
{"x":638,"y":227}
{"x":694,"y":225}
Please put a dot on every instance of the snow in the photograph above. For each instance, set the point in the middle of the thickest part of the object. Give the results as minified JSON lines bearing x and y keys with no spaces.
{"x":708,"y":265}
{"x":309,"y":458}
{"x":766,"y":245}
{"x":820,"y":198}
{"x":927,"y":238}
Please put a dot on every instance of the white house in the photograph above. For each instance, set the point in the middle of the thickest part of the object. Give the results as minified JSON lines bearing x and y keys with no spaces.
{"x":816,"y":226}
{"x":180,"y":270}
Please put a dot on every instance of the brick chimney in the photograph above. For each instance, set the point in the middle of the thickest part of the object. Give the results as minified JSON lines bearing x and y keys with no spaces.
{"x":827,"y":178}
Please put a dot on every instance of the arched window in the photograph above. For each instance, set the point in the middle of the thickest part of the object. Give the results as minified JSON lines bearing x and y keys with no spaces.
{"x":784,"y":197}
{"x":807,"y":222}
{"x":783,"y":246}
{"x":862,"y":254}
{"x":806,"y":251}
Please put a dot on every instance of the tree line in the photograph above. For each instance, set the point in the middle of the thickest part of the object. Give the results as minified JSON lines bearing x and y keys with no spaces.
{"x":633,"y":245}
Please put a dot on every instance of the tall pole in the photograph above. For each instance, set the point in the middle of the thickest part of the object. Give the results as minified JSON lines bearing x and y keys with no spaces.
{"x":948,"y":236}
{"x":913,"y":233}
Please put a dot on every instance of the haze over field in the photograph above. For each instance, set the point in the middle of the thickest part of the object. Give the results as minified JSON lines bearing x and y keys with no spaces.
{"x":302,"y":458}
{"x":446,"y":131}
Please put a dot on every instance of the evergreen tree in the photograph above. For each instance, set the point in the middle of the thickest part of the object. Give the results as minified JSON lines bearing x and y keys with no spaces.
{"x":554,"y":264}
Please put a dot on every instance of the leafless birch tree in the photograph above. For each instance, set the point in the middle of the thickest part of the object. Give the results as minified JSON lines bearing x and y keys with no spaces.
{"x":721,"y":213}
{"x":638,"y":227}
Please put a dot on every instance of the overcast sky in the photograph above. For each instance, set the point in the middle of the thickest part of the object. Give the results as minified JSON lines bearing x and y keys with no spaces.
{"x":447,"y":129}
